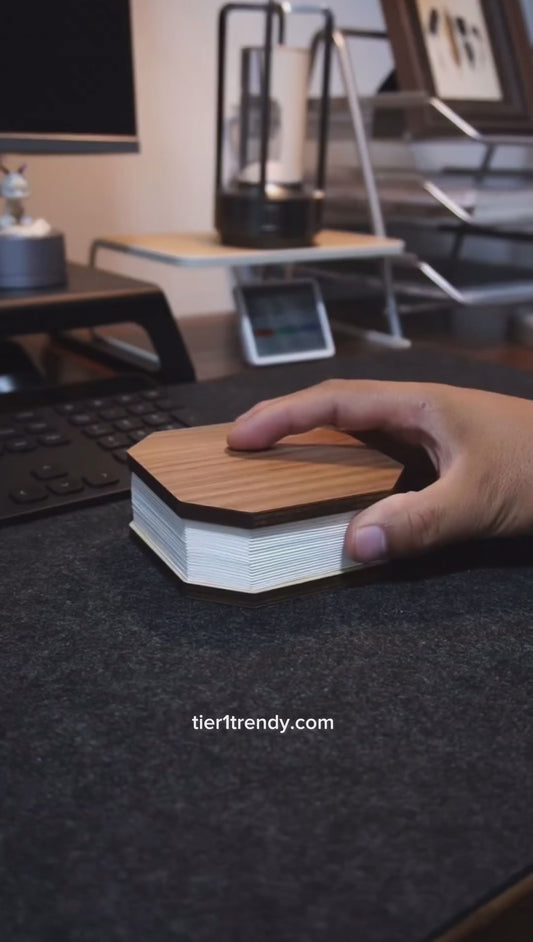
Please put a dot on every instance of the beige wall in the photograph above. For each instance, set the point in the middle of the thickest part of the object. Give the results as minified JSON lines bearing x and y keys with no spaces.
{"x":169,"y":185}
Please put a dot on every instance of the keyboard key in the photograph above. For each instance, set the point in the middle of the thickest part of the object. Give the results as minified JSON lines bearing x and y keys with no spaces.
{"x":26,"y":416}
{"x":139,"y":434}
{"x":155,"y":419}
{"x":164,"y":404}
{"x":39,"y":426}
{"x":6,"y":432}
{"x":100,"y":478}
{"x":18,"y":445}
{"x":115,"y":412}
{"x":127,"y":425}
{"x":97,"y":429}
{"x":110,"y":442}
{"x":29,"y":494}
{"x":68,"y":408}
{"x":66,"y":486}
{"x":51,"y":439}
{"x":121,"y":456}
{"x":49,"y":471}
{"x":127,"y":399}
{"x":152,"y":394}
{"x":140,"y":408}
{"x":96,"y":403}
{"x":82,"y":418}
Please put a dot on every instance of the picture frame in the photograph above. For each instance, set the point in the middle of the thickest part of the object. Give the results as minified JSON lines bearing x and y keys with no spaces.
{"x":474,"y":55}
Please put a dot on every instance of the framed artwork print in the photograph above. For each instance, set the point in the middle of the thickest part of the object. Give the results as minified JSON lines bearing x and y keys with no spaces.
{"x":473,"y":54}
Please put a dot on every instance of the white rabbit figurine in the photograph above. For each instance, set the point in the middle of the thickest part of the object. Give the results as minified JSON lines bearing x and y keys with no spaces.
{"x":14,"y":188}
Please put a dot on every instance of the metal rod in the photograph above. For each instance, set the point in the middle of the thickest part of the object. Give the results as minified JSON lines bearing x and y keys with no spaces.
{"x":324,"y":108}
{"x":244,"y":107}
{"x":356,"y":114}
{"x":391,"y":306}
{"x":484,"y":167}
{"x":350,"y":33}
{"x":221,"y":72}
{"x":440,"y":281}
{"x":512,"y":292}
{"x":365,"y":33}
{"x":453,"y":118}
{"x":265,"y":99}
{"x":440,"y":196}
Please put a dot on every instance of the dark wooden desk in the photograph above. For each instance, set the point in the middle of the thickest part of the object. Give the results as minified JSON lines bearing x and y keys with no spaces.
{"x":211,"y":339}
{"x":213,"y":344}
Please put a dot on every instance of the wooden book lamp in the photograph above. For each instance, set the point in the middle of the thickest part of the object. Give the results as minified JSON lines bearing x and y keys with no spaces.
{"x":253,"y":521}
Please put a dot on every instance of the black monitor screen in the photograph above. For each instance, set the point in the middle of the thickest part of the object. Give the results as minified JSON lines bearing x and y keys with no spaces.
{"x":66,"y":70}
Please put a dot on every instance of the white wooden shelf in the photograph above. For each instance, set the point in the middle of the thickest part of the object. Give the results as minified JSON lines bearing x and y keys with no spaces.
{"x":203,"y":249}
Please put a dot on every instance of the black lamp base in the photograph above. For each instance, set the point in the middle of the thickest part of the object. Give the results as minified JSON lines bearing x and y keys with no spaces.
{"x":247,"y":218}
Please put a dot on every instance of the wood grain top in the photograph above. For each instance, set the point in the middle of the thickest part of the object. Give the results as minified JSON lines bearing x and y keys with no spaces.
{"x":303,"y":476}
{"x":203,"y":249}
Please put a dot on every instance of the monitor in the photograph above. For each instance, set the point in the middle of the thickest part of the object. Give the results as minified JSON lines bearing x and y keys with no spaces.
{"x":66,"y":75}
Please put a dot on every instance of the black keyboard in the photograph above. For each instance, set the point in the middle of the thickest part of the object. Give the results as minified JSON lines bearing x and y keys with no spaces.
{"x":66,"y":447}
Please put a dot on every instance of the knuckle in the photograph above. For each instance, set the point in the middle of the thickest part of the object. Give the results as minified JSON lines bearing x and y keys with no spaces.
{"x":333,"y":385}
{"x":424,"y":526}
{"x":422,"y":408}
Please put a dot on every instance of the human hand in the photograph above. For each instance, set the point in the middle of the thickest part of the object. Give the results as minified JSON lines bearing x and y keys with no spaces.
{"x":481,"y":445}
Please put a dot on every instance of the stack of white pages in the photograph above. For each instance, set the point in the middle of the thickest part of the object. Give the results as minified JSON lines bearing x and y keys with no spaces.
{"x":253,"y":522}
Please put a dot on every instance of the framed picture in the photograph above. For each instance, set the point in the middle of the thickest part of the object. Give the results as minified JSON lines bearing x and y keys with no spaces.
{"x":473,"y":54}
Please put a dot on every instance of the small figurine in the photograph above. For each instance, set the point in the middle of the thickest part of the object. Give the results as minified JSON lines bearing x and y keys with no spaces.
{"x":14,"y":188}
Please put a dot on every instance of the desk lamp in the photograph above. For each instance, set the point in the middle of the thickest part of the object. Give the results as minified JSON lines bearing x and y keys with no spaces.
{"x":264,"y":201}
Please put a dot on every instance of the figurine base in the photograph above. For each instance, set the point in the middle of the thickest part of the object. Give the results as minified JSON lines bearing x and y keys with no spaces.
{"x":32,"y":261}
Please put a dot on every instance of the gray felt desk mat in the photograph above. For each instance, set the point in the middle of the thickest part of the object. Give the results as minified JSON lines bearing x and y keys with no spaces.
{"x":123,"y":823}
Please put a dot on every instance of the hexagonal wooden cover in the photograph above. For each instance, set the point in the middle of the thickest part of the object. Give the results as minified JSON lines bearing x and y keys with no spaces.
{"x":308,"y":475}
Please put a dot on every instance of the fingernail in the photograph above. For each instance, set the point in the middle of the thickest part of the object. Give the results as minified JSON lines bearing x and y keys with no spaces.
{"x":369,"y":544}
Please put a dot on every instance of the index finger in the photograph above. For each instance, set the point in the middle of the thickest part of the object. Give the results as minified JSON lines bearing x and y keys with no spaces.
{"x":357,"y":405}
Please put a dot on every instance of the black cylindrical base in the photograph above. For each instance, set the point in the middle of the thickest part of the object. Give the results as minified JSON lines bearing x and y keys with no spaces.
{"x":28,"y":262}
{"x":248,"y":219}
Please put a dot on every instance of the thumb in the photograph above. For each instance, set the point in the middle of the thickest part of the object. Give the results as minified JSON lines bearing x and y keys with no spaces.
{"x":410,"y":523}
